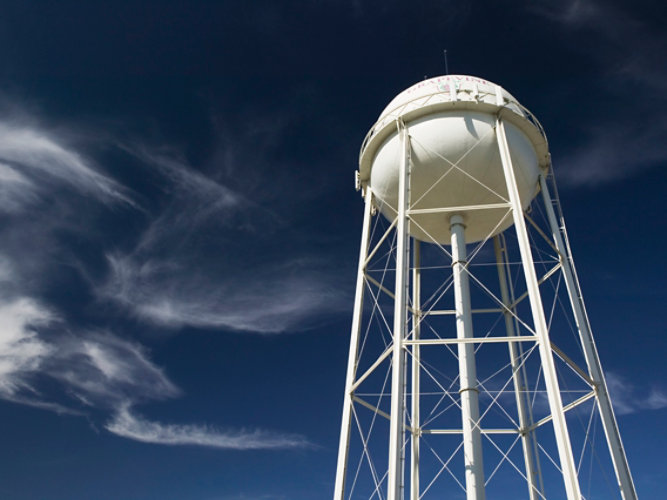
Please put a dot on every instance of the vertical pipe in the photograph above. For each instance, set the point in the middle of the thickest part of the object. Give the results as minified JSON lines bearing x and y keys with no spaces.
{"x":405,"y":407}
{"x":535,"y":488}
{"x":619,"y":459}
{"x":416,"y":354}
{"x":568,"y":466}
{"x":344,"y":443}
{"x":472,"y":438}
{"x":397,"y":420}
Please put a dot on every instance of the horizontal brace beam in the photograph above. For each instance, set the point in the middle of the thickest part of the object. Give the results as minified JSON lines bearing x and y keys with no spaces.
{"x":460,"y":431}
{"x":489,"y":206}
{"x":474,"y":340}
{"x":447,"y":312}
{"x":566,"y":408}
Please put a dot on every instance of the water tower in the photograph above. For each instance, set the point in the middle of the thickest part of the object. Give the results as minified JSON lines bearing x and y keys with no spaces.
{"x":472,"y":368}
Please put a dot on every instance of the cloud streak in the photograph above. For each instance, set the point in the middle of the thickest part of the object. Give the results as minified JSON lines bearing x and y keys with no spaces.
{"x":614,"y":152}
{"x":22,"y":352}
{"x":48,"y":360}
{"x":628,"y":398}
{"x":292,"y":295}
{"x":30,"y":157}
{"x":212,"y":258}
{"x":132,"y":426}
{"x":628,"y":137}
{"x":101,"y":371}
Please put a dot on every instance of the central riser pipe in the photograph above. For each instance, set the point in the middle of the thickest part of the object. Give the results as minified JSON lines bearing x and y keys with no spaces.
{"x":472,"y":438}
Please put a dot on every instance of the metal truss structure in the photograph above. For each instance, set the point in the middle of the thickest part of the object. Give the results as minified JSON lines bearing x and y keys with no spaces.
{"x":472,"y":368}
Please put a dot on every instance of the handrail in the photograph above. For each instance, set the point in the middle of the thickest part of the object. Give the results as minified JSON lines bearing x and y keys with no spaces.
{"x":445,"y":96}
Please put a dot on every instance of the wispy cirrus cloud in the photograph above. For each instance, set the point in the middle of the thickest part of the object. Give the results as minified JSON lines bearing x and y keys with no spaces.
{"x":212,"y":258}
{"x":629,"y":398}
{"x":183,"y":178}
{"x":51,"y":362}
{"x":184,"y":269}
{"x":614,"y":151}
{"x":101,"y":371}
{"x":96,"y":368}
{"x":16,"y":190}
{"x":628,"y":137}
{"x":48,"y":189}
{"x":42,"y":180}
{"x":22,"y":352}
{"x":127,"y":424}
{"x":269,"y":299}
{"x":31,"y":157}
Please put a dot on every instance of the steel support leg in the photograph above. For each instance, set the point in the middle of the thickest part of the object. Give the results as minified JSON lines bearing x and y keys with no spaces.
{"x":472,"y":437}
{"x":397,"y":413}
{"x":344,"y":444}
{"x":528,"y":441}
{"x":415,"y":400}
{"x":567,"y":463}
{"x":607,"y":417}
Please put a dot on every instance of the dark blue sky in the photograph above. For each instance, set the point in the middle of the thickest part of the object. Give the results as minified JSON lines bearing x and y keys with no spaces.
{"x":179,"y":226}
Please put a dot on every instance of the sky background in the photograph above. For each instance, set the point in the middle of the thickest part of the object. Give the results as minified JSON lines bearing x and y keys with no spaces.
{"x":179,"y":227}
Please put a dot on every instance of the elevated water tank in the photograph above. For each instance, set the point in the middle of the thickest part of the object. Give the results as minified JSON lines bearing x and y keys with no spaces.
{"x":455,"y":161}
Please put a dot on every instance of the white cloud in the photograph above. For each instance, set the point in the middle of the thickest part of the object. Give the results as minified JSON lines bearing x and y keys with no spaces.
{"x":613,"y":152}
{"x":129,"y":425}
{"x":6,"y":272}
{"x":102,"y":370}
{"x":35,"y":401}
{"x":44,"y":183}
{"x":210,"y":259}
{"x":105,"y":372}
{"x":36,"y":168}
{"x":16,"y":190}
{"x":26,"y":152}
{"x":656,"y":400}
{"x":21,"y":350}
{"x":571,"y":12}
{"x":269,"y":299}
{"x":48,"y":363}
{"x":629,"y":398}
{"x":627,"y":52}
{"x":187,"y":181}
{"x":99,"y":369}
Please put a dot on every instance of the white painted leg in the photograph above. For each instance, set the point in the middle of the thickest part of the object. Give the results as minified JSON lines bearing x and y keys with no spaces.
{"x":609,"y":424}
{"x":562,"y":436}
{"x":343,"y":446}
{"x":397,"y":413}
{"x":531,"y":459}
{"x":416,"y":318}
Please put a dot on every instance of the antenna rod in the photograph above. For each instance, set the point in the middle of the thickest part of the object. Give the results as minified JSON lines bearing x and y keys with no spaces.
{"x":446,"y":65}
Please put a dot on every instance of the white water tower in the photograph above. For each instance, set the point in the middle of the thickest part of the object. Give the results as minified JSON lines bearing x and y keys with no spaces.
{"x":437,"y":405}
